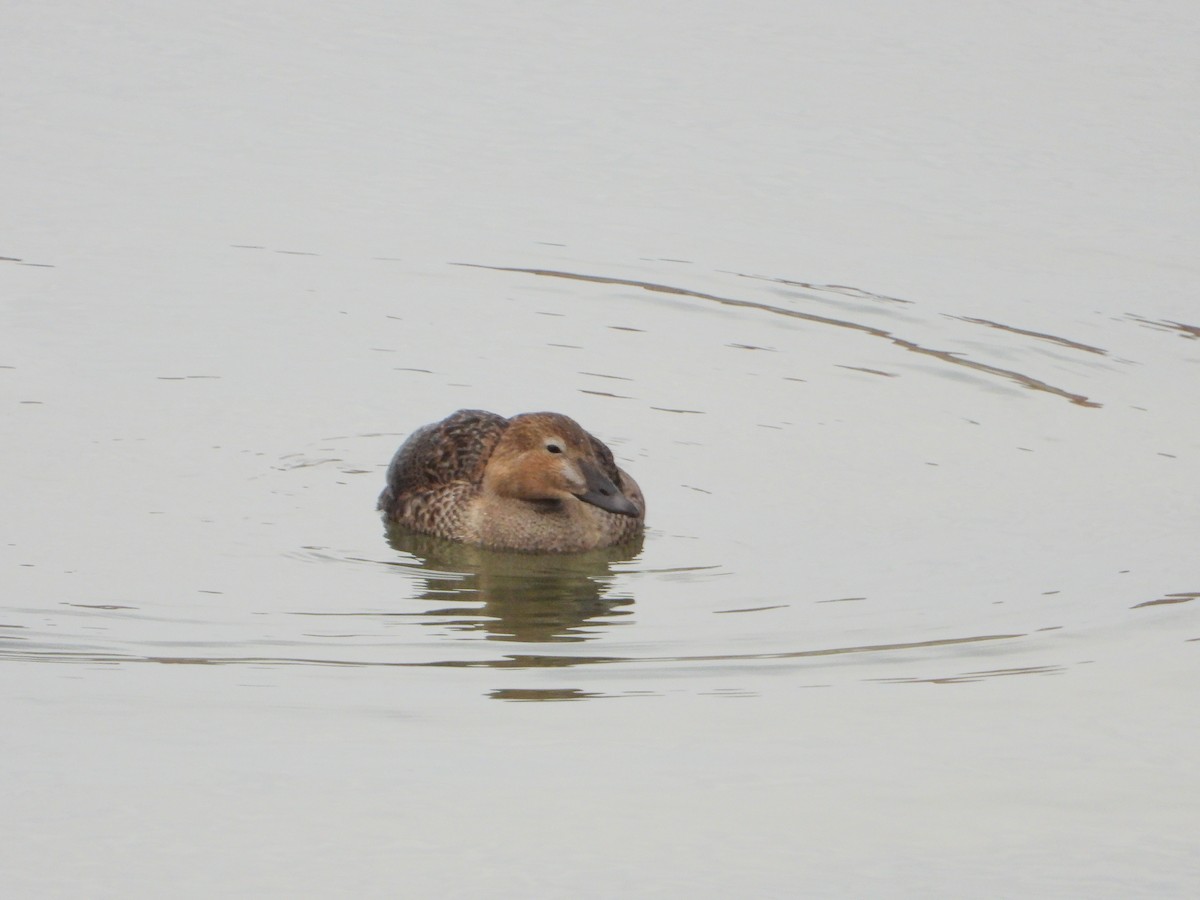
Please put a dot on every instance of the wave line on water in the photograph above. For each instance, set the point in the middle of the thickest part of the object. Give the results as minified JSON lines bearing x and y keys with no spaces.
{"x":25,"y":653}
{"x":1027,"y":381}
{"x":1024,"y":332}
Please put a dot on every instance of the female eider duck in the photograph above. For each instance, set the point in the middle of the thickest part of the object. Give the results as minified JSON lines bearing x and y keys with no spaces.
{"x":536,"y":482}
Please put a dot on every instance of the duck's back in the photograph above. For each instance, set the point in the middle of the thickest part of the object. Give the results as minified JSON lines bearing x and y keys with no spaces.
{"x":439,"y":468}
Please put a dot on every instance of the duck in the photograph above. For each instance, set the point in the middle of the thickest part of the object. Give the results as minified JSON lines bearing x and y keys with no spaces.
{"x":533,"y":482}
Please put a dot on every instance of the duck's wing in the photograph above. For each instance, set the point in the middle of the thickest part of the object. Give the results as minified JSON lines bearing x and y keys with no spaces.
{"x":455,"y":449}
{"x":605,"y":457}
{"x":622,"y":479}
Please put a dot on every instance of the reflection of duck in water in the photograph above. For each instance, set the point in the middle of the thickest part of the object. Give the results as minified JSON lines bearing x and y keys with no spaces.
{"x":536,"y":482}
{"x":524,"y":597}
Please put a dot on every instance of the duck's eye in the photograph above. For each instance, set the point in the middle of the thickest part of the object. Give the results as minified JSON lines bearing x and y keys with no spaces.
{"x":554,"y":448}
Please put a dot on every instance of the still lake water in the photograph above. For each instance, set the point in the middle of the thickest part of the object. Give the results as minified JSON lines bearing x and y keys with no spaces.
{"x":892,"y":314}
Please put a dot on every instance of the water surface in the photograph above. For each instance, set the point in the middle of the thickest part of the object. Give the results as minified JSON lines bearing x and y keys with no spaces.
{"x":895,"y":326}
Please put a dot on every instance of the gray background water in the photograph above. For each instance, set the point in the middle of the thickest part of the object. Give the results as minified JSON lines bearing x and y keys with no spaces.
{"x":891,"y":310}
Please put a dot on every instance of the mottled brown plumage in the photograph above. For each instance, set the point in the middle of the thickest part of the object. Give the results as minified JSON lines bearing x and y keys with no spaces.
{"x":536,"y":482}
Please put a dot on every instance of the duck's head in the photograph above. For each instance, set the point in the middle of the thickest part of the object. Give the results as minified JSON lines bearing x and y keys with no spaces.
{"x":548,"y":458}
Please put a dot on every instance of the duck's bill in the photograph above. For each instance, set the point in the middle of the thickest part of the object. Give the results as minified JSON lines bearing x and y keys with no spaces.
{"x":603,"y":493}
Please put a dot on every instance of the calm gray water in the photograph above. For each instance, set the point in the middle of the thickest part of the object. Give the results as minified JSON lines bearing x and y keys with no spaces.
{"x":891,"y":312}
